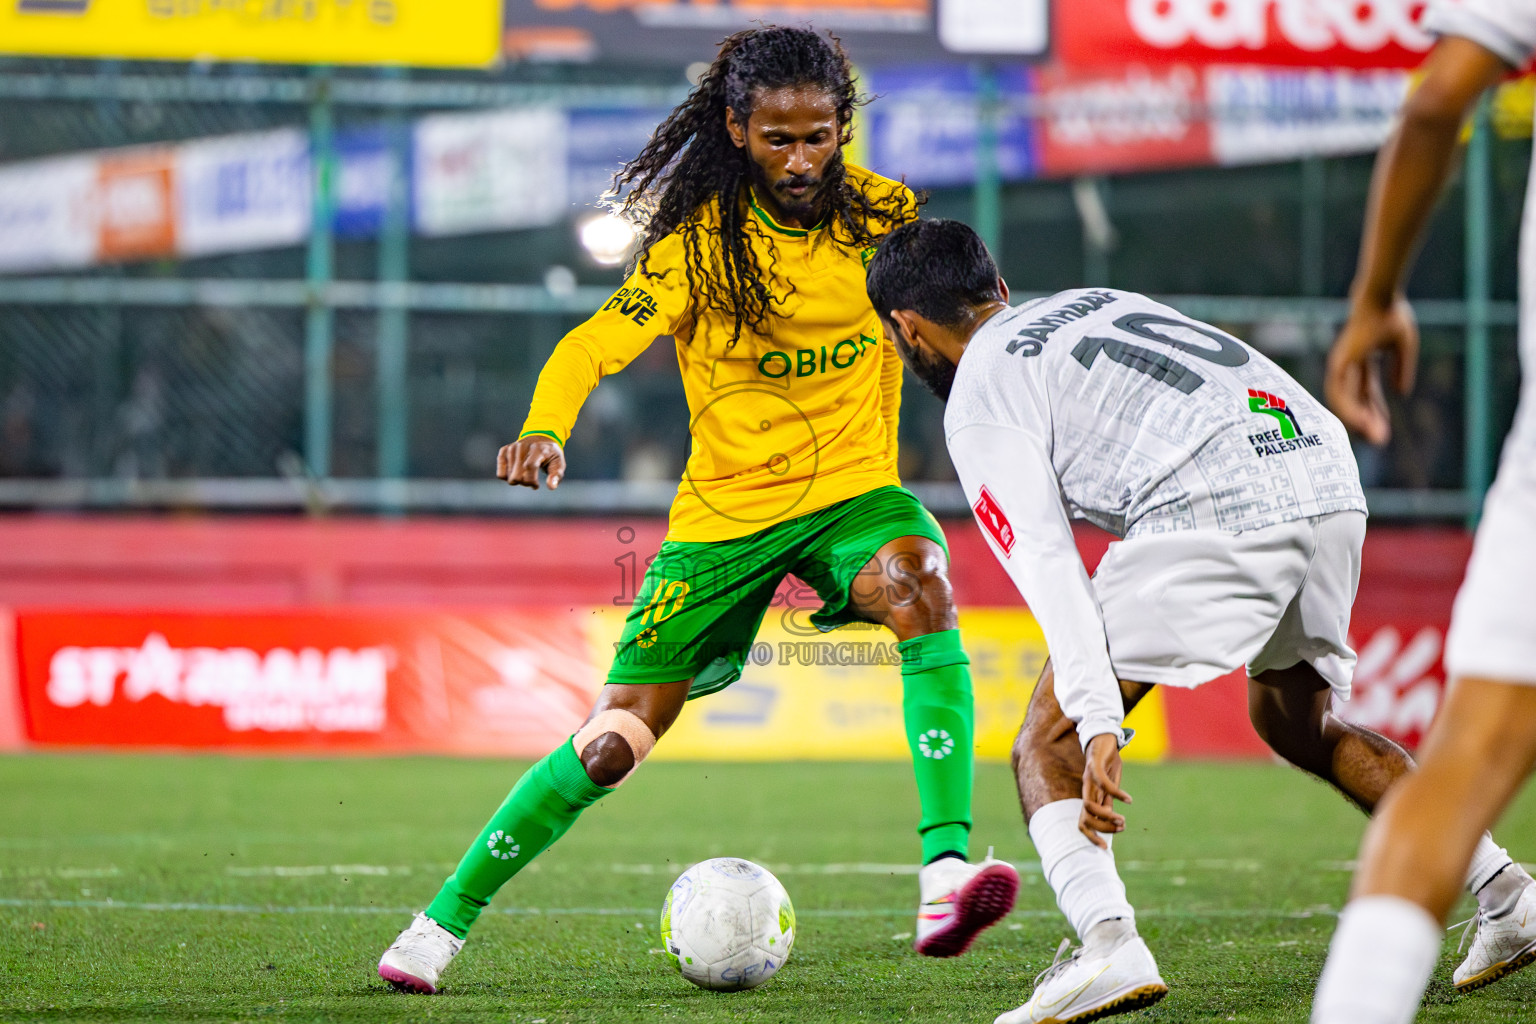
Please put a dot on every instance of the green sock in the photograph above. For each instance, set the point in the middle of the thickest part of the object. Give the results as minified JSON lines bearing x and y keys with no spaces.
{"x":940,"y":717}
{"x":544,"y":803}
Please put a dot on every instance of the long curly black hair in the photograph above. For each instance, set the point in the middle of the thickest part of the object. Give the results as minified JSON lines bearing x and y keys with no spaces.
{"x":690,"y":160}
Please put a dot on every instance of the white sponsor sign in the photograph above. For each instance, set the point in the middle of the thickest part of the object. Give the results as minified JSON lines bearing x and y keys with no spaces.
{"x":244,"y":192}
{"x":281,"y":690}
{"x":1364,"y":26}
{"x":994,"y":26}
{"x":48,"y":214}
{"x":488,"y":172}
{"x":1264,"y":115}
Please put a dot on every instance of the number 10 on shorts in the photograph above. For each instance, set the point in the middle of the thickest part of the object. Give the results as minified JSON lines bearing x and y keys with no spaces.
{"x":666,"y":601}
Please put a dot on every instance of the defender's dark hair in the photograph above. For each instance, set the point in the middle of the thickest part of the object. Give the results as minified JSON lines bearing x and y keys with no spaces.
{"x":940,"y":268}
{"x":690,"y":160}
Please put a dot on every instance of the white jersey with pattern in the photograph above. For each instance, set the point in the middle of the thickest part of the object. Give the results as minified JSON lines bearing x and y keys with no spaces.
{"x":1108,"y":406}
{"x":1154,"y":421}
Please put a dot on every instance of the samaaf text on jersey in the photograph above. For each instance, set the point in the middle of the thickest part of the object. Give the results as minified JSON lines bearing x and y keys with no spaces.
{"x":1033,"y":335}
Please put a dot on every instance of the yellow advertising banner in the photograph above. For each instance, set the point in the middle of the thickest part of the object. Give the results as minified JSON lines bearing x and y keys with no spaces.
{"x":837,"y":696}
{"x":440,"y":33}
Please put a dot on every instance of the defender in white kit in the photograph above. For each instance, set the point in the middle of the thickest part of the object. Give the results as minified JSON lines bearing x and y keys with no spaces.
{"x":1241,"y":516}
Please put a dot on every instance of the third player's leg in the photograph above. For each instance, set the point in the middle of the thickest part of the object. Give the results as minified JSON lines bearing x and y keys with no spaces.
{"x":1291,"y":710}
{"x":1480,"y":749}
{"x":1416,"y":852}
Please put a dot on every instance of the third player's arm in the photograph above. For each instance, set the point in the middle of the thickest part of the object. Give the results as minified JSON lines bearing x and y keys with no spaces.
{"x":1410,"y":174}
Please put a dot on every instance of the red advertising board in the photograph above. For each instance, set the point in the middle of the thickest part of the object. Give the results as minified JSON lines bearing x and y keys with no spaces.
{"x":365,"y":659}
{"x":1310,"y":33}
{"x":511,"y":684}
{"x":13,"y":730}
{"x":1134,"y":118}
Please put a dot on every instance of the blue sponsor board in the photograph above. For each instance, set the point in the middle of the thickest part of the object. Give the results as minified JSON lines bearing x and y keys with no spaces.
{"x":366,"y":166}
{"x":599,"y":142}
{"x":924,"y":124}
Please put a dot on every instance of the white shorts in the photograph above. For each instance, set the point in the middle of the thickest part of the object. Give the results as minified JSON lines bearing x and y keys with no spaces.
{"x":1181,"y":609}
{"x":1493,"y":625}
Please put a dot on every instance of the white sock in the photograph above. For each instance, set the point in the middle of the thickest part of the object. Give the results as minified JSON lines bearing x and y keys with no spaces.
{"x":1107,"y":936}
{"x":1378,"y":963}
{"x":1088,"y":889}
{"x":1488,"y":859}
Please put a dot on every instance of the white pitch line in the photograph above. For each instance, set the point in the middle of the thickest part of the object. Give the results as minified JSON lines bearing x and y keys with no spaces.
{"x":555,"y":912}
{"x":668,"y":869}
{"x":851,"y":868}
{"x":311,"y":870}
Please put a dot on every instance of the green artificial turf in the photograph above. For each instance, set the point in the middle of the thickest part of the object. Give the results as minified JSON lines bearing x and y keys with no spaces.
{"x":195,"y":888}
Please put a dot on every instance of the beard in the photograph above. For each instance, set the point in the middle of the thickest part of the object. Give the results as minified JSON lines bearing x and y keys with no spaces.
{"x":806,"y":208}
{"x":936,"y":373}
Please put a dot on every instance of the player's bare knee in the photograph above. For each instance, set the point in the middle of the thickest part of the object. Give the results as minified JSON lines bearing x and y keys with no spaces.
{"x":927,"y":604}
{"x":608,"y":759}
{"x":612,"y":745}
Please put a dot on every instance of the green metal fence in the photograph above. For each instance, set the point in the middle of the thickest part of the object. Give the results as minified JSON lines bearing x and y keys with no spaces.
{"x":346,"y":375}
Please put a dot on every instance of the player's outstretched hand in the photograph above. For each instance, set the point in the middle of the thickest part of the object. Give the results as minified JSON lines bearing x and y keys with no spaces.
{"x":519,"y":462}
{"x":1353,"y":387}
{"x":1101,"y":787}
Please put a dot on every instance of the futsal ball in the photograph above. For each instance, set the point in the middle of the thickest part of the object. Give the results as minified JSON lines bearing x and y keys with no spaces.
{"x":727,"y":924}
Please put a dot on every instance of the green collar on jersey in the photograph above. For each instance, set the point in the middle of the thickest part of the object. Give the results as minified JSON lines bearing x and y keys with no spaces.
{"x":773,"y":225}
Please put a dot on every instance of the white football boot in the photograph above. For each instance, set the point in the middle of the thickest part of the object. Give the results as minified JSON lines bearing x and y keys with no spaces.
{"x":1089,"y":985}
{"x":1500,"y":947}
{"x":958,"y":901}
{"x":419,"y":955}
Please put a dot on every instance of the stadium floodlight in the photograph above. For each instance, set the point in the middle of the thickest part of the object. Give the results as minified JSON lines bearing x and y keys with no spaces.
{"x":608,"y":238}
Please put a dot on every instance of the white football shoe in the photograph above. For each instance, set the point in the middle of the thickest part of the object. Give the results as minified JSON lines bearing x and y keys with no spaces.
{"x":419,"y":955}
{"x":957,"y":901}
{"x":1500,"y":947}
{"x":1091,"y":985}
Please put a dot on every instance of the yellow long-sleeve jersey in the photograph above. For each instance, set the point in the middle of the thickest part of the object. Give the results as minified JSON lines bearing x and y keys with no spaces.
{"x":783,"y":423}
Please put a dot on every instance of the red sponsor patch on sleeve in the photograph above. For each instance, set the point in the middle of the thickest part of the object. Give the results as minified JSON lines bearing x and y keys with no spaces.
{"x":990,"y":515}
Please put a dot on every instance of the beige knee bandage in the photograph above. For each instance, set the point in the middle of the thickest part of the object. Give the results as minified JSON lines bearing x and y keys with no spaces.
{"x":627,"y":725}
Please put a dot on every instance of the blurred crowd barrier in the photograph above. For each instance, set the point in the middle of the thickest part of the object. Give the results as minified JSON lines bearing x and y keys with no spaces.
{"x":490,"y":638}
{"x":236,"y":287}
{"x":533,"y":165}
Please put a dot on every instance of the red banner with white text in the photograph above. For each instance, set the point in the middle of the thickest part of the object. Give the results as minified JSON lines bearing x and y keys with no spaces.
{"x":1304,"y":33}
{"x":1135,"y":118}
{"x":366,"y":659}
{"x":510,"y":683}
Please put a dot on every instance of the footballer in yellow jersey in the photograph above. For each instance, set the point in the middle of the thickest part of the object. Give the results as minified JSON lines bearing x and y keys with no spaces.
{"x":785,"y":420}
{"x":756,"y":240}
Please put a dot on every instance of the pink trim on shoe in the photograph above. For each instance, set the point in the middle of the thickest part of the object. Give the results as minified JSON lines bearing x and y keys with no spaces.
{"x":405,"y":982}
{"x":980,"y":903}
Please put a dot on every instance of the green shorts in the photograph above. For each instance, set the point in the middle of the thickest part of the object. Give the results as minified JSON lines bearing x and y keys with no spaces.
{"x":701,"y":603}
